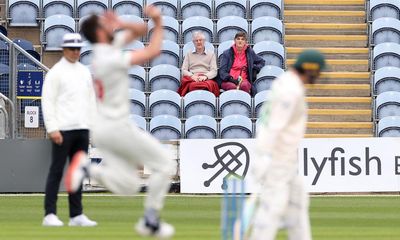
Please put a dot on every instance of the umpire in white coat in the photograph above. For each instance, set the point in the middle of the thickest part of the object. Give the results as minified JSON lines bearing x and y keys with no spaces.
{"x":68,"y":103}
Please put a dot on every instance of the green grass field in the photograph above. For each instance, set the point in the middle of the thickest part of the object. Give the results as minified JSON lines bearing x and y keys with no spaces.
{"x":195,"y":218}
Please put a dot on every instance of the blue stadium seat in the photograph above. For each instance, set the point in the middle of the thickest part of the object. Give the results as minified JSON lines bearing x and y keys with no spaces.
{"x":65,"y":7}
{"x":387,"y":79}
{"x":387,"y":104}
{"x":201,"y":127}
{"x":236,"y":126}
{"x":170,"y":26}
{"x":224,"y":8}
{"x":227,"y":27}
{"x":4,"y":56}
{"x":21,"y":58}
{"x":135,"y":45}
{"x":193,"y":8}
{"x":86,"y":54}
{"x":169,"y":54}
{"x":386,"y":55}
{"x":200,"y":102}
{"x":259,"y":100}
{"x":197,"y":24}
{"x":384,"y":8}
{"x":137,"y":78}
{"x":224,"y":46}
{"x":189,"y":47}
{"x":389,"y":127}
{"x":23,"y":12}
{"x":88,"y":7}
{"x":26,"y":67}
{"x":385,"y":30}
{"x":164,"y":76}
{"x":167,"y":7}
{"x":166,"y":127}
{"x":55,"y":27}
{"x":23,"y":43}
{"x":131,"y":18}
{"x":4,"y":80}
{"x":266,"y":76}
{"x":3,"y":30}
{"x":165,"y":102}
{"x":267,"y":29}
{"x":139,"y":121}
{"x":235,"y":102}
{"x":272,"y":52}
{"x":138,"y":102}
{"x":262,"y":8}
{"x":127,"y":7}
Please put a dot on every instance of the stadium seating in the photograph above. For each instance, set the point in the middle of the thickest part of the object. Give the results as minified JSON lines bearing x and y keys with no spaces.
{"x":169,"y":54}
{"x":139,"y":121}
{"x":137,"y":78}
{"x":385,"y":30}
{"x":165,"y":102}
{"x":387,"y":79}
{"x":224,"y":8}
{"x":261,"y":8}
{"x":51,"y":7}
{"x":135,"y":45}
{"x":197,"y":24}
{"x":170,"y":26}
{"x":386,"y":55}
{"x":259,"y":99}
{"x":272,"y":52}
{"x":167,"y":7}
{"x":55,"y":27}
{"x":227,"y":27}
{"x":266,"y":76}
{"x":192,"y":8}
{"x":164,"y":76}
{"x":384,"y":8}
{"x":23,"y":12}
{"x":21,"y":58}
{"x":166,"y":127}
{"x":201,"y":127}
{"x":235,"y":102}
{"x":189,"y":47}
{"x":138,"y":102}
{"x":387,"y":104}
{"x":199,"y":102}
{"x":23,"y":43}
{"x":3,"y":31}
{"x":128,"y":7}
{"x":236,"y":126}
{"x":224,"y":46}
{"x":389,"y":127}
{"x":131,"y":18}
{"x":267,"y":29}
{"x":86,"y":54}
{"x":87,"y":7}
{"x":26,"y":67}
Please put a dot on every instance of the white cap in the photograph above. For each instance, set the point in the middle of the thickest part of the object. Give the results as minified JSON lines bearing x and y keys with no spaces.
{"x":72,"y":40}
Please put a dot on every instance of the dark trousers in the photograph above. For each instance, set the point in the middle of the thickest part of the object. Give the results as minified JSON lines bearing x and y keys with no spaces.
{"x":73,"y":141}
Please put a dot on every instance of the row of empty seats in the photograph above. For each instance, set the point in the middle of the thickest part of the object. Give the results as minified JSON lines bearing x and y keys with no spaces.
{"x":261,"y":29}
{"x":200,"y":102}
{"x":28,"y":12}
{"x":166,"y":127}
{"x":25,"y":45}
{"x":383,"y":8}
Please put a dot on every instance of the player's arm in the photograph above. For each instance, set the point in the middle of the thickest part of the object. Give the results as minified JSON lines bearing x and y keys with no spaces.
{"x":154,"y":47}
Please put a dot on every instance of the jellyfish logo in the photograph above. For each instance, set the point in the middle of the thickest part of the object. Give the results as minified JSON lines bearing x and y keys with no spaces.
{"x":233,"y":159}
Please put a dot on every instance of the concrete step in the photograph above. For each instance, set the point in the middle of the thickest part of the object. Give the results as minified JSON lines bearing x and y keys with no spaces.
{"x":326,"y":28}
{"x":326,"y":41}
{"x":339,"y":90}
{"x":338,"y":135}
{"x":339,"y":102}
{"x":339,"y":115}
{"x":29,"y":33}
{"x":320,"y":16}
{"x":50,"y":58}
{"x":340,"y":128}
{"x":344,"y":78}
{"x":342,"y":65}
{"x":333,"y":53}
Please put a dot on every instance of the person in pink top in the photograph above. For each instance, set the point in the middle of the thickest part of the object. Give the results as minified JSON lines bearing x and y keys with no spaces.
{"x":239,"y":66}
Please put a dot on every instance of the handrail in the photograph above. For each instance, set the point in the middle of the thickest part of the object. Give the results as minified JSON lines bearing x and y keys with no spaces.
{"x":6,"y":123}
{"x":11,"y":126}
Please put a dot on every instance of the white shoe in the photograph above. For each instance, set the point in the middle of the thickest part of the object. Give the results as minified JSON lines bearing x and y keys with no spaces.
{"x":51,"y":220}
{"x":76,"y":172}
{"x":165,"y":230}
{"x":81,"y":221}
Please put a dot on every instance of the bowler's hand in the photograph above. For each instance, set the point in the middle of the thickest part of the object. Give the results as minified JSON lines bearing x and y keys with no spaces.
{"x":56,"y":137}
{"x":153,"y":13}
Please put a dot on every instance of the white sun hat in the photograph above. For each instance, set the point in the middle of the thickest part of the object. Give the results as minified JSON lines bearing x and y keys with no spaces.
{"x":72,"y":40}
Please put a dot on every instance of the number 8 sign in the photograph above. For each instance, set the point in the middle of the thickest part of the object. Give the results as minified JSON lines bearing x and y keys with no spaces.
{"x":31,"y":117}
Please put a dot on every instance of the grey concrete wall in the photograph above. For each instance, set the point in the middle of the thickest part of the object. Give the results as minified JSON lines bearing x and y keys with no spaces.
{"x":24,"y":165}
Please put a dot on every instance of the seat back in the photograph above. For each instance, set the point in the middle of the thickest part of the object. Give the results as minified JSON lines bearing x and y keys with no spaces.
{"x":265,"y":77}
{"x":387,"y":79}
{"x":236,"y":126}
{"x":225,"y":8}
{"x":385,"y":30}
{"x":272,"y":52}
{"x":197,"y":24}
{"x":127,"y":7}
{"x":65,"y":7}
{"x":138,"y":102}
{"x":200,"y":102}
{"x":190,"y":8}
{"x":137,"y":78}
{"x":261,"y":8}
{"x":227,"y":27}
{"x":165,"y":102}
{"x":386,"y":55}
{"x":166,"y":127}
{"x":235,"y":102}
{"x":267,"y":29}
{"x":201,"y":127}
{"x":164,"y":76}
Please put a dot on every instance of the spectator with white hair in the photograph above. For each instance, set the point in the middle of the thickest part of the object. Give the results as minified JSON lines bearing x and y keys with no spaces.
{"x":199,"y":68}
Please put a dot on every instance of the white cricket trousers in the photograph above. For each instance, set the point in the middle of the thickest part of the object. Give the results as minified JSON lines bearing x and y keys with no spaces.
{"x":125,"y":148}
{"x":283,"y":199}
